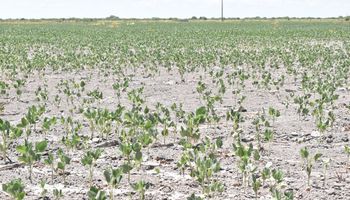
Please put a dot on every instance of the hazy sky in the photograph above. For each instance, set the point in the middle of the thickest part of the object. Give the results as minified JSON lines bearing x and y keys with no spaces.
{"x":172,"y":8}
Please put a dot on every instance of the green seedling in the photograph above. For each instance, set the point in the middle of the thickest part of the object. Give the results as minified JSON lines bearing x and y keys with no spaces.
{"x":276,"y":187}
{"x":164,"y":119}
{"x":4,"y":89}
{"x":191,"y":129}
{"x":96,"y":95}
{"x":15,"y":189}
{"x":8,"y":134}
{"x":2,"y":108}
{"x":31,"y":119}
{"x":274,"y":113}
{"x":50,"y":161}
{"x":120,"y":87}
{"x":347,"y":151}
{"x":43,"y":189}
{"x":132,"y":153}
{"x":246,"y":157}
{"x":265,"y":174}
{"x":113,"y":178}
{"x":64,"y":160}
{"x":256,"y":184}
{"x":179,"y":116}
{"x":47,"y":124}
{"x":206,"y":164}
{"x":90,"y":115}
{"x":236,"y":118}
{"x":325,"y":163}
{"x":18,"y":85}
{"x":72,"y":142}
{"x":194,"y":197}
{"x":262,"y":126}
{"x":89,"y":159}
{"x":58,"y":194}
{"x":141,"y":187}
{"x":30,"y":155}
{"x":96,"y":194}
{"x":42,"y":94}
{"x":308,"y":162}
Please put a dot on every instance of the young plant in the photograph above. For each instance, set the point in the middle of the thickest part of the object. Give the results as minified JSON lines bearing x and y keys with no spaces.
{"x":246,"y":157}
{"x":256,"y":184}
{"x":50,"y":161}
{"x":64,"y":160}
{"x":96,"y":194}
{"x":325,"y":163}
{"x":347,"y":151}
{"x":8,"y":134}
{"x":2,"y":108}
{"x":120,"y":87}
{"x":18,"y":85}
{"x":236,"y":118}
{"x":89,"y":159}
{"x":276,"y":187}
{"x":274,"y":113}
{"x":58,"y":194}
{"x":30,"y":155}
{"x":47,"y":124}
{"x":113,"y":178}
{"x":43,"y":189}
{"x":15,"y":189}
{"x":165,"y":120}
{"x":308,"y":162}
{"x":141,"y":187}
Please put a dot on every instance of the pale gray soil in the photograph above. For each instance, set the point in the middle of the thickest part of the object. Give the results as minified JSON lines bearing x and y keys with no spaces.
{"x":291,"y":135}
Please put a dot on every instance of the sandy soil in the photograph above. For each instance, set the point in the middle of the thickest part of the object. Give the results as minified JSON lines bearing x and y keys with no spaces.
{"x":291,"y":134}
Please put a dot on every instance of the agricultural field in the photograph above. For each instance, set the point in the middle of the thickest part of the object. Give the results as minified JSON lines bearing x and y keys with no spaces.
{"x":175,"y":110}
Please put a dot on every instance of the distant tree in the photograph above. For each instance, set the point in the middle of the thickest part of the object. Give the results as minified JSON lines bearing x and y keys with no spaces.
{"x":194,"y":18}
{"x":347,"y":18}
{"x":112,"y":17}
{"x":202,"y":18}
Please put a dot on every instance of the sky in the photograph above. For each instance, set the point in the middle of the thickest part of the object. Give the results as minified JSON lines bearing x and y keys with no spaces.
{"x":171,"y":8}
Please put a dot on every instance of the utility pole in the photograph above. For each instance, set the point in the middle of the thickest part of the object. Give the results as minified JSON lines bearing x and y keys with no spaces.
{"x":222,"y":10}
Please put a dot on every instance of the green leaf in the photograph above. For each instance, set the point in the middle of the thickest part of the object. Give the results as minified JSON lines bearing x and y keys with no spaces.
{"x":41,"y":146}
{"x":317,"y":156}
{"x":201,"y":111}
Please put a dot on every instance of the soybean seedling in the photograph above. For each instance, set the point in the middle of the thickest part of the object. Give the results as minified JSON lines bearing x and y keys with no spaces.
{"x":325,"y":163}
{"x":194,"y":197}
{"x":18,"y":85}
{"x":141,"y":187}
{"x":347,"y":151}
{"x":48,"y":123}
{"x":64,"y":160}
{"x":43,"y":189}
{"x":205,"y":163}
{"x":89,"y":159}
{"x":308,"y":162}
{"x":96,"y":194}
{"x":256,"y":184}
{"x":113,"y":178}
{"x":236,"y":118}
{"x":276,"y":188}
{"x":120,"y":87}
{"x":29,"y":156}
{"x":15,"y":189}
{"x":50,"y":161}
{"x":8,"y":134}
{"x":58,"y":194}
{"x":274,"y":113}
{"x":2,"y":108}
{"x":244,"y":153}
